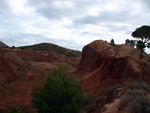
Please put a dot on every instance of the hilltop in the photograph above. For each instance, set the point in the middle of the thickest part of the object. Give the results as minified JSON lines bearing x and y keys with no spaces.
{"x":53,"y":48}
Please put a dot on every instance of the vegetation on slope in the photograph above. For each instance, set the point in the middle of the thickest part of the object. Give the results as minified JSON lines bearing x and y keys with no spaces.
{"x":53,"y":48}
{"x":61,"y":94}
{"x":133,"y":96}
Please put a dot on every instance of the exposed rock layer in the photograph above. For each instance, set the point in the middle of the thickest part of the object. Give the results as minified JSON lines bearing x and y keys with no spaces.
{"x":103,"y":63}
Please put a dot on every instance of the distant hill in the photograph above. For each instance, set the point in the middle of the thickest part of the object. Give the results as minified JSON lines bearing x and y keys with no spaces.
{"x":53,"y":48}
{"x":3,"y":45}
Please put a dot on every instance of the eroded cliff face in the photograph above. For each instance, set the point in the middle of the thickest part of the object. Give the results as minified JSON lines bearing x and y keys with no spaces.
{"x":9,"y":69}
{"x":103,"y":64}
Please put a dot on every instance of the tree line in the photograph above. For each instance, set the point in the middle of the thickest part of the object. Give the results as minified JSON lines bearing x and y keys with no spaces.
{"x":142,"y":34}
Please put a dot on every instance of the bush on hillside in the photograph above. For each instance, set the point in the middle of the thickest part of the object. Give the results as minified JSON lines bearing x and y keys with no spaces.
{"x":130,"y":96}
{"x":14,"y":110}
{"x":137,"y":101}
{"x":140,"y":105}
{"x":132,"y":84}
{"x":60,"y":94}
{"x":53,"y":48}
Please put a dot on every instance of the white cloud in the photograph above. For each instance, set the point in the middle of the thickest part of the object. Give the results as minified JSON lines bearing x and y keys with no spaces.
{"x":70,"y":23}
{"x":93,"y":11}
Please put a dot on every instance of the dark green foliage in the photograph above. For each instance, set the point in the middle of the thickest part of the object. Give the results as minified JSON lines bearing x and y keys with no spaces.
{"x":13,"y":47}
{"x":110,"y":92}
{"x":96,"y":100}
{"x":53,"y":48}
{"x":143,"y":34}
{"x":14,"y":110}
{"x":130,"y":42}
{"x":93,"y":102}
{"x":140,"y":105}
{"x":140,"y":45}
{"x":132,"y":84}
{"x":130,"y":96}
{"x":112,"y":42}
{"x":136,"y":98}
{"x":60,"y":94}
{"x":127,"y":42}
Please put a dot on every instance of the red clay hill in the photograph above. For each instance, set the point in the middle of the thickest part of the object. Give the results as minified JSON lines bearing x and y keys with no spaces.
{"x":103,"y":64}
{"x":21,"y":70}
{"x":14,"y":62}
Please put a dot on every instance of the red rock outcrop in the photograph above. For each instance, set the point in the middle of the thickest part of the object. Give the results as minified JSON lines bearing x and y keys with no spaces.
{"x":102,"y":64}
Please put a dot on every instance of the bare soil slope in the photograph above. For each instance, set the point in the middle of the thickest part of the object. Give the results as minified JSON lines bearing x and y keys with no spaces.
{"x":21,"y":70}
{"x":10,"y":70}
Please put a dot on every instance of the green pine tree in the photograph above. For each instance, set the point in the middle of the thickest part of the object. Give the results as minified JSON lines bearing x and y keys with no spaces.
{"x":60,"y":94}
{"x":112,"y":42}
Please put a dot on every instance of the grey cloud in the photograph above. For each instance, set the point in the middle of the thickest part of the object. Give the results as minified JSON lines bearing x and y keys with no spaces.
{"x":23,"y":39}
{"x":4,"y":4}
{"x":78,"y":13}
{"x":14,"y":28}
{"x":19,"y":39}
{"x":4,"y":7}
{"x":108,"y":17}
{"x":53,"y":13}
{"x":49,"y":10}
{"x":90,"y":34}
{"x":147,"y":3}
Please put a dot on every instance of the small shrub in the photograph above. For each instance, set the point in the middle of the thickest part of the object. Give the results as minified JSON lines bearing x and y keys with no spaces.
{"x":130,"y":96}
{"x":16,"y":60}
{"x":61,"y":94}
{"x":24,"y":110}
{"x":140,"y":105}
{"x":145,"y":86}
{"x":110,"y":92}
{"x":137,"y":101}
{"x":14,"y":110}
{"x":137,"y":85}
{"x":93,"y":102}
{"x":135,"y":93}
{"x":27,"y":62}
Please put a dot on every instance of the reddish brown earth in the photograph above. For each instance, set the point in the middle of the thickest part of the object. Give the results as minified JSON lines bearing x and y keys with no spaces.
{"x":21,"y":70}
{"x":10,"y":70}
{"x":102,"y":65}
{"x":42,"y":56}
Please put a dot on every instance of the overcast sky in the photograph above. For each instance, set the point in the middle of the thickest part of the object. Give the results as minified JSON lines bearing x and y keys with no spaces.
{"x":70,"y":23}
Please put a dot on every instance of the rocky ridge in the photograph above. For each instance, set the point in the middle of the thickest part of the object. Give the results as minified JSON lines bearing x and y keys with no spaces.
{"x":103,"y":64}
